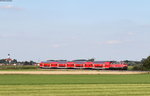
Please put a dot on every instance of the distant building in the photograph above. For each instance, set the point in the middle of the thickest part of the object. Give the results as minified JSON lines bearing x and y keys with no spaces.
{"x":9,"y":60}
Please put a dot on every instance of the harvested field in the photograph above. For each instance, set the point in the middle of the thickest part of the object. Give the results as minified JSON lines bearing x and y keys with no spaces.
{"x":75,"y":85}
{"x":73,"y":72}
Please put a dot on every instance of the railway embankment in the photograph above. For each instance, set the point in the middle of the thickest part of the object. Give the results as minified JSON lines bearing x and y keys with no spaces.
{"x":75,"y":72}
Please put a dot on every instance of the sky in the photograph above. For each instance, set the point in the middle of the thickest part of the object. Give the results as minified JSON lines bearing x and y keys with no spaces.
{"x":75,"y":29}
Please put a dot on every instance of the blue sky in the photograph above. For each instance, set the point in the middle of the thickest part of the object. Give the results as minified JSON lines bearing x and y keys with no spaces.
{"x":71,"y":29}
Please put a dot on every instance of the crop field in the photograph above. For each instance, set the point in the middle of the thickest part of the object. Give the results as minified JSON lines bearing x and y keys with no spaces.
{"x":75,"y":85}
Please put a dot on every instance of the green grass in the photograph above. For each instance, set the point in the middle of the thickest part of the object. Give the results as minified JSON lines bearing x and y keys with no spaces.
{"x":76,"y":90}
{"x":75,"y":85}
{"x":73,"y":79}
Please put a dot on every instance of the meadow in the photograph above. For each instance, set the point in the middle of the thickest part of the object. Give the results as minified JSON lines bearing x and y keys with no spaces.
{"x":75,"y":85}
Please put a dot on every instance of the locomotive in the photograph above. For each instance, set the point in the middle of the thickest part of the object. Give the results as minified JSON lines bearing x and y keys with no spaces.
{"x":83,"y":64}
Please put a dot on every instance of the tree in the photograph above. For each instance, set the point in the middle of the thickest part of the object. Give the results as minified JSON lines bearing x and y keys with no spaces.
{"x":2,"y":61}
{"x":146,"y":63}
{"x":91,"y":60}
{"x":26,"y":63}
{"x":32,"y":62}
{"x":14,"y":61}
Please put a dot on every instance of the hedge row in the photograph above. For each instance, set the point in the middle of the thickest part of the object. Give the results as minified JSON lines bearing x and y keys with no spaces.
{"x":19,"y":67}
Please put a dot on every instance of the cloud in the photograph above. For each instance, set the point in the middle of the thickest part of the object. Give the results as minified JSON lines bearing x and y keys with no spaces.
{"x":111,"y":42}
{"x":10,"y":35}
{"x":56,"y":45}
{"x":130,"y":33}
{"x":10,"y":7}
{"x":59,"y":45}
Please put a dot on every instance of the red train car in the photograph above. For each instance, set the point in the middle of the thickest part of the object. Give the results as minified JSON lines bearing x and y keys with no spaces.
{"x":84,"y":65}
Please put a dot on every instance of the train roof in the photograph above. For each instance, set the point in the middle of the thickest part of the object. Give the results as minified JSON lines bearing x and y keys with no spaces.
{"x":76,"y":61}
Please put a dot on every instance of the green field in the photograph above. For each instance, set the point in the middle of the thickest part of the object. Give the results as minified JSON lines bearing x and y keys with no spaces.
{"x":75,"y":85}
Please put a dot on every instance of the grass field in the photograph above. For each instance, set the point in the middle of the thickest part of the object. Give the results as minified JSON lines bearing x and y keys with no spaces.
{"x":75,"y":85}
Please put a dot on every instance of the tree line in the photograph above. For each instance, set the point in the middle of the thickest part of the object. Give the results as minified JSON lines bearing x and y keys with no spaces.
{"x":144,"y":65}
{"x":14,"y":61}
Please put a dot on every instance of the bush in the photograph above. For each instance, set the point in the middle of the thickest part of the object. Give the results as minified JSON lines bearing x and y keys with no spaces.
{"x":4,"y":67}
{"x":137,"y":67}
{"x":146,"y":63}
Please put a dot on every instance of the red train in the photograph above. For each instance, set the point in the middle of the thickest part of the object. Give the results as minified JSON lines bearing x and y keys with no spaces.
{"x":84,"y":65}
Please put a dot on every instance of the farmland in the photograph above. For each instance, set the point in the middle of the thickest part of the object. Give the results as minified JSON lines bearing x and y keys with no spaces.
{"x":75,"y":85}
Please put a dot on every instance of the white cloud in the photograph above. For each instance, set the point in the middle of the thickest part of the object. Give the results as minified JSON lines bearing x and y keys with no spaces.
{"x":56,"y":45}
{"x":111,"y":42}
{"x":59,"y":45}
{"x":130,"y":33}
{"x":10,"y":7}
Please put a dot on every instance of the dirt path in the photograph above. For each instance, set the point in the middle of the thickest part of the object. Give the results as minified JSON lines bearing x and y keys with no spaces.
{"x":72,"y":72}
